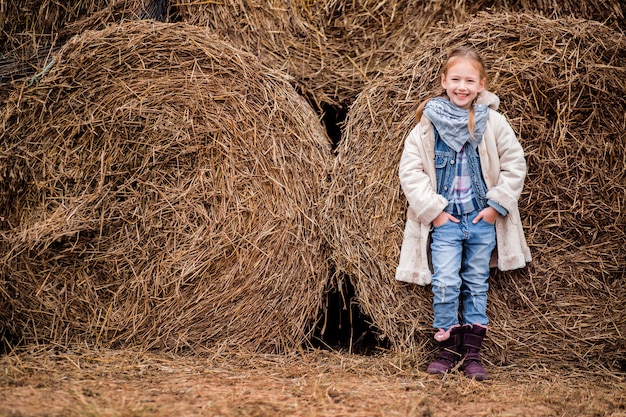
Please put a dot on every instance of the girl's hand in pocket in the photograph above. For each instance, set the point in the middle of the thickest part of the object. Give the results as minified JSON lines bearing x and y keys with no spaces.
{"x":442,"y":218}
{"x":488,"y":214}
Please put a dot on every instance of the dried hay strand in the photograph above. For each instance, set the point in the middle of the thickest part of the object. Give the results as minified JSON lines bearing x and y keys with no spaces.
{"x":161,"y":189}
{"x":18,"y":65}
{"x":118,"y":12}
{"x":562,"y":86}
{"x":78,"y":381}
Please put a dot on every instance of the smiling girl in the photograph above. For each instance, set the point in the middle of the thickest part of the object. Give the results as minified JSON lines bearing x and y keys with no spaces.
{"x":462,"y":171}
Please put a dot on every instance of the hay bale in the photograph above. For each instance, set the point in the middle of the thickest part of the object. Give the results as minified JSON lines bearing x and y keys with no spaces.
{"x":562,"y":86}
{"x":610,"y":12}
{"x":118,"y":12}
{"x":161,"y":189}
{"x":331,"y":48}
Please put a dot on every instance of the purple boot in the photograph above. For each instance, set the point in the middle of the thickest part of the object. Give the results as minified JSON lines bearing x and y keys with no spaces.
{"x":450,"y":352}
{"x":472,"y":341}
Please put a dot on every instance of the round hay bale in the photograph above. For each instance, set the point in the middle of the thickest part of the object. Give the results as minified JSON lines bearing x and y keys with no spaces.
{"x":119,"y":11}
{"x":162,"y":189}
{"x":562,"y":86}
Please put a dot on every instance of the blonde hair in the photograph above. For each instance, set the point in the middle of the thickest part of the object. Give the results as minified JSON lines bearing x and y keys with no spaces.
{"x":454,"y":56}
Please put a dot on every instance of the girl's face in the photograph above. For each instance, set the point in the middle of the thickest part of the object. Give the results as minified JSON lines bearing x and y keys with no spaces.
{"x":462,"y":83}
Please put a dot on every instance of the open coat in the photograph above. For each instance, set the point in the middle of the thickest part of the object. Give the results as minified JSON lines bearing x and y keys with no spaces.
{"x":503,"y":168}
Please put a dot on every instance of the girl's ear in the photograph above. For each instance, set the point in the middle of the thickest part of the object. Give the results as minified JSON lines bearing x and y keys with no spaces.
{"x":443,"y":81}
{"x":481,"y":85}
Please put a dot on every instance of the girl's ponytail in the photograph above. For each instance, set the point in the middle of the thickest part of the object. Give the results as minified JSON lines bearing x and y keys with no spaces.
{"x":471,"y":121}
{"x":420,"y":110}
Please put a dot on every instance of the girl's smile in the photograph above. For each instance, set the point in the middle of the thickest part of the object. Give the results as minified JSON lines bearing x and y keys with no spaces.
{"x":462,"y":83}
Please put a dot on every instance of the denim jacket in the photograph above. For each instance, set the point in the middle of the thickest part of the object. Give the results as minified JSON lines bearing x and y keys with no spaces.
{"x":445,"y":165}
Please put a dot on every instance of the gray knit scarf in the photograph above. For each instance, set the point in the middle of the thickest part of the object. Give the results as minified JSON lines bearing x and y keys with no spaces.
{"x":451,"y":122}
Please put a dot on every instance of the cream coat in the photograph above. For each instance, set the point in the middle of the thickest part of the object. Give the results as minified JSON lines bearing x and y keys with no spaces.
{"x":503,"y":168}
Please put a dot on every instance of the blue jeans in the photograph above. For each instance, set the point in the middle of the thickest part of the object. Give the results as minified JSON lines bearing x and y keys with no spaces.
{"x":460,"y":256}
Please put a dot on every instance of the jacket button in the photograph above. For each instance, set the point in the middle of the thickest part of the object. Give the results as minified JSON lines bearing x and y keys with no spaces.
{"x":452,"y":162}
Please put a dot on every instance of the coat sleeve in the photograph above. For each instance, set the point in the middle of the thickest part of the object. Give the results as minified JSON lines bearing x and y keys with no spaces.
{"x":512,"y":166}
{"x":417,"y":178}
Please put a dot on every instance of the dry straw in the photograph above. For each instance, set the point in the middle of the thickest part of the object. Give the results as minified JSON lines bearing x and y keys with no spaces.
{"x":161,"y":189}
{"x":23,"y":19}
{"x":334,"y":48}
{"x":331,"y":48}
{"x":78,"y":381}
{"x":562,"y":86}
{"x":95,"y":237}
{"x":32,"y":31}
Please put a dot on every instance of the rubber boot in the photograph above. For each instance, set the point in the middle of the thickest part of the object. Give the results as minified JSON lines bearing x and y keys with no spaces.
{"x":449,"y":354}
{"x":472,"y":341}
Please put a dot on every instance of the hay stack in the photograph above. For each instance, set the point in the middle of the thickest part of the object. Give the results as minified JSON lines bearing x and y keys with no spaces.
{"x":611,"y":12}
{"x":119,"y":11}
{"x":161,"y":189}
{"x":331,"y":48}
{"x":562,"y":85}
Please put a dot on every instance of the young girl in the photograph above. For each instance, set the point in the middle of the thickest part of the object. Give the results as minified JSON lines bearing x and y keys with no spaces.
{"x":462,"y":171}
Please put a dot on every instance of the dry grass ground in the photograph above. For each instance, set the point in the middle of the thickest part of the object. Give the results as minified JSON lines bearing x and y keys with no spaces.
{"x":47,"y":382}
